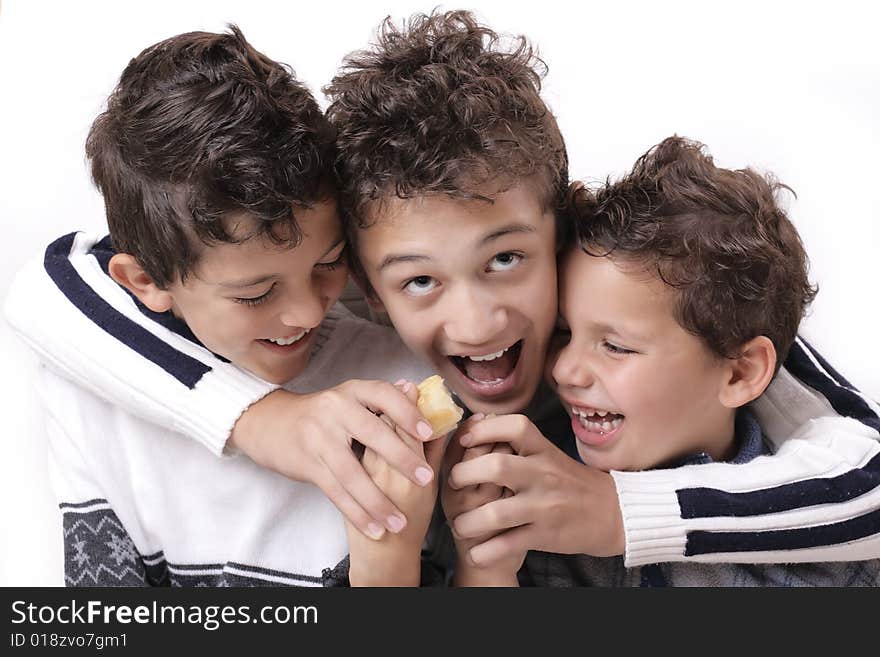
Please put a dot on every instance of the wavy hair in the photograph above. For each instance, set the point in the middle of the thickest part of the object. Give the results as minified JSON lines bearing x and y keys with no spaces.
{"x":199,"y":126}
{"x":718,"y":237}
{"x":442,"y":104}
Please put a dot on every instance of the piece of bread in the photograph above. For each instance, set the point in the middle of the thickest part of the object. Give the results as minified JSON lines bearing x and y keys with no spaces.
{"x":437,"y":406}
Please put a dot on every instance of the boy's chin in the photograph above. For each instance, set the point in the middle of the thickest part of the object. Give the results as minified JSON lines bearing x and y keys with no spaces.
{"x":275,"y":375}
{"x":594,"y":460}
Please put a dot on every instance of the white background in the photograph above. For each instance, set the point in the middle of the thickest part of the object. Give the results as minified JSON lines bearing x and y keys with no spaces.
{"x":789,"y":87}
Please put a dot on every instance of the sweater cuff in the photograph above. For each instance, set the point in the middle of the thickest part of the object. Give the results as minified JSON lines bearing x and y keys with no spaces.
{"x":652,"y":524}
{"x":216,"y":403}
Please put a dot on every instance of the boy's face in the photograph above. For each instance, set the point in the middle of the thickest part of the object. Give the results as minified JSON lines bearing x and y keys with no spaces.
{"x":257,"y":304}
{"x":470,"y":287}
{"x":640,"y":389}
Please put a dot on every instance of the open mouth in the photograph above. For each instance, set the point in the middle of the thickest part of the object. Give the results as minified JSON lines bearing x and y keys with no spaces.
{"x":594,"y":426}
{"x":490,"y":374}
{"x":597,"y":421}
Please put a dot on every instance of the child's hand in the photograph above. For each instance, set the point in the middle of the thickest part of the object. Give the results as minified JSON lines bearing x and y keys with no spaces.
{"x":308,"y":438}
{"x":395,"y":560}
{"x":559,"y":505}
{"x":458,"y":501}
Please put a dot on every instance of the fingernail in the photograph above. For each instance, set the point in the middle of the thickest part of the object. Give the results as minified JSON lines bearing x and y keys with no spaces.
{"x":466,"y":440}
{"x":374,"y":531}
{"x":395,"y":523}
{"x":477,"y":416}
{"x":474,"y":551}
{"x":424,"y":429}
{"x":424,"y":476}
{"x":400,"y":382}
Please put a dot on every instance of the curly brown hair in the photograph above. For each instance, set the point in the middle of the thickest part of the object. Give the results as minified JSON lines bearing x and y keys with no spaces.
{"x":201,"y":125}
{"x":442,"y":105}
{"x":718,"y":237}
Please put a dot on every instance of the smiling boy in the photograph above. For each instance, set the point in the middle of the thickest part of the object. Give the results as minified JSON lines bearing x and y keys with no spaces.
{"x":464,"y":284}
{"x":450,"y":190}
{"x":273,"y":344}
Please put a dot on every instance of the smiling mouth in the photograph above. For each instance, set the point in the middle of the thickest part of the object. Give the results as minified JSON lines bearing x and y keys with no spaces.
{"x":288,"y":344}
{"x":489,"y":369}
{"x":597,"y":421}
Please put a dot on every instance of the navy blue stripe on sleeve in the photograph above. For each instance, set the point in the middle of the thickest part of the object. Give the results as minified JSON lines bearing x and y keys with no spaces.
{"x":704,"y":542}
{"x":711,"y":503}
{"x":845,"y":402}
{"x":185,"y":369}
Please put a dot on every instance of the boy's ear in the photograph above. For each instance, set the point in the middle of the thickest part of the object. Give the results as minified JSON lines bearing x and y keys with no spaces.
{"x":126,"y":271}
{"x":747,"y":376}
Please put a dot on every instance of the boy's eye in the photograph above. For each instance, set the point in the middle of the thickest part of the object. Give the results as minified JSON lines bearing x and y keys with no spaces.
{"x":614,"y":349}
{"x":505,"y":261}
{"x":419,"y":286}
{"x":333,"y":264}
{"x":256,"y":301}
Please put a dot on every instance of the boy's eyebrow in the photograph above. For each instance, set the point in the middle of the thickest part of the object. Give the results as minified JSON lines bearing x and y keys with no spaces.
{"x":394,"y":259}
{"x":250,"y":282}
{"x":506,"y":230}
{"x":247,"y":282}
{"x":626,"y":331}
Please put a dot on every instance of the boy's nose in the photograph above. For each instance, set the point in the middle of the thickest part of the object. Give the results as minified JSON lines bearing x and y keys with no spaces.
{"x":304,"y":311}
{"x":473,"y":319}
{"x":572,"y":369}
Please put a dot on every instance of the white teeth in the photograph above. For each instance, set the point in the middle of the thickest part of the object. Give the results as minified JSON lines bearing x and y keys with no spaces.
{"x":599,"y":427}
{"x":284,"y":342}
{"x":480,"y":359}
{"x":591,"y":420}
{"x":588,"y":412}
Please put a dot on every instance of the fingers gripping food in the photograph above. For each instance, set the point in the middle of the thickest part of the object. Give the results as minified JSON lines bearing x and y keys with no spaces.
{"x":437,"y":406}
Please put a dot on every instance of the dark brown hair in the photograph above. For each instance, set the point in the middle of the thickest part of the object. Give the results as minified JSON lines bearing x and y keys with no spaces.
{"x":201,"y":125}
{"x":717,"y":236}
{"x":441,"y":105}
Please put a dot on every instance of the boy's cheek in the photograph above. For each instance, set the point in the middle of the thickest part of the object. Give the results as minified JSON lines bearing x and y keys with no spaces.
{"x":416,"y":330}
